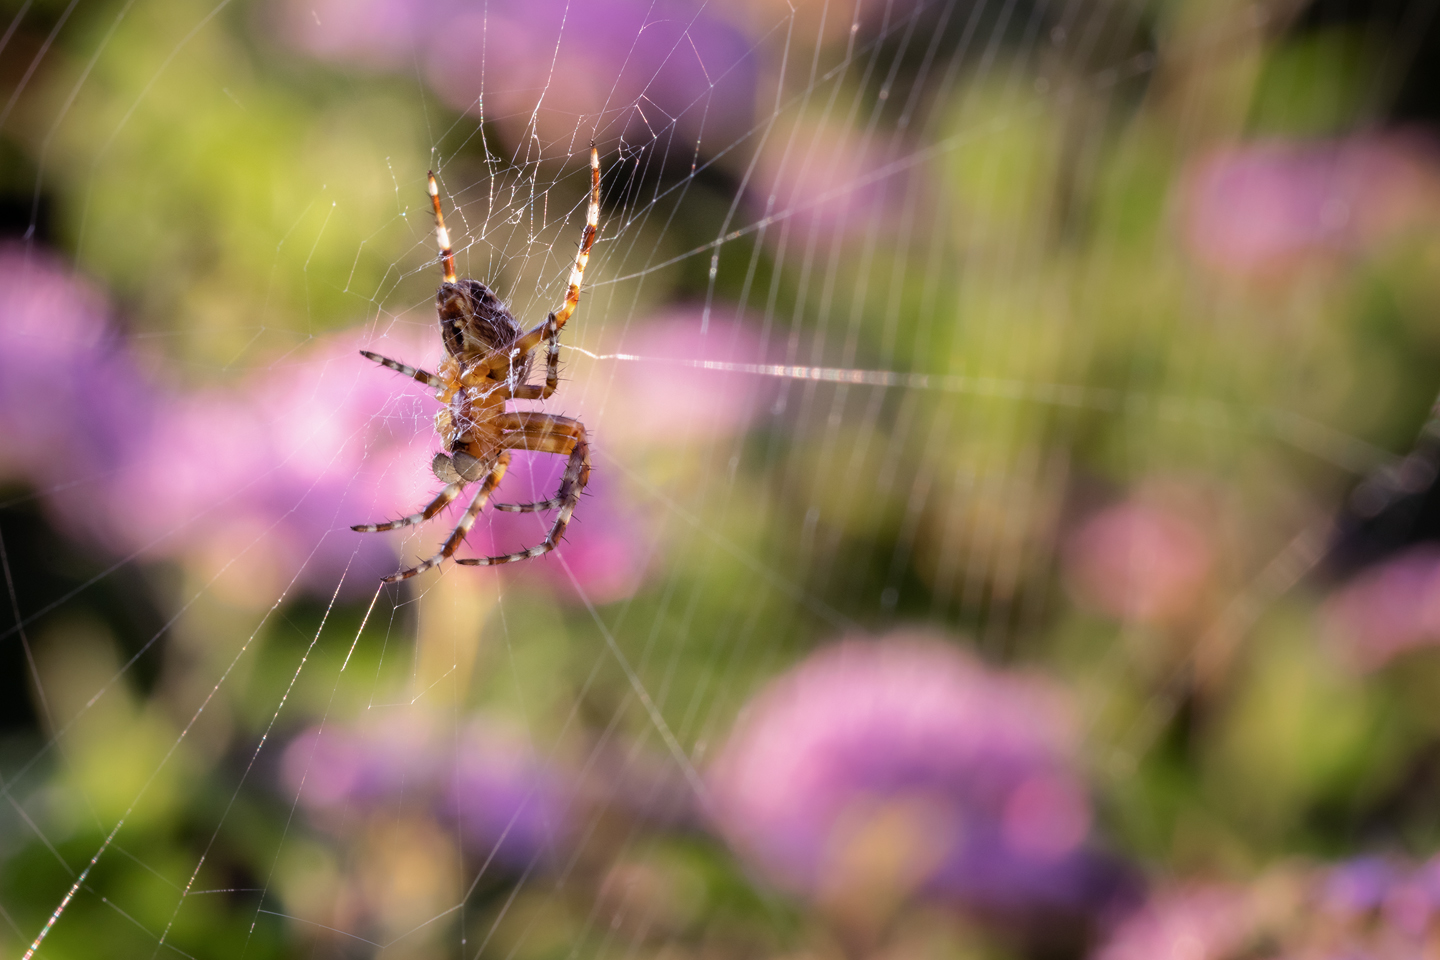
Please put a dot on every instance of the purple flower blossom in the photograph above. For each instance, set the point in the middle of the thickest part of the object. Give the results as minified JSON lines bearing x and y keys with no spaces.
{"x":70,"y":398}
{"x":259,"y":483}
{"x":1388,"y":609}
{"x":1258,"y":210}
{"x":646,"y":70}
{"x":334,"y":766}
{"x":606,"y":551}
{"x":503,"y":802}
{"x":1357,"y":887}
{"x":908,"y":764}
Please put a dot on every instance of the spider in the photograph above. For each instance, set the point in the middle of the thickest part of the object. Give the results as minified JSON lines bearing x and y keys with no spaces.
{"x":487,"y":362}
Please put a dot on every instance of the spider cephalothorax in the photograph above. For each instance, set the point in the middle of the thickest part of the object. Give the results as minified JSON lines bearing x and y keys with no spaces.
{"x":487,"y":362}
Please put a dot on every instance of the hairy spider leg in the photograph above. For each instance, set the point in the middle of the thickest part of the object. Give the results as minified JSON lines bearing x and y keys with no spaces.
{"x":462,"y":529}
{"x":553,"y":323}
{"x":550,"y":329}
{"x":442,"y":236}
{"x":544,"y":433}
{"x":414,"y":373}
{"x":451,"y":491}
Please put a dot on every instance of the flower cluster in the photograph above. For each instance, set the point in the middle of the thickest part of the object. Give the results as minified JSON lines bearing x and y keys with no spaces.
{"x":1139,"y":562}
{"x":1260,"y":210}
{"x":1370,"y":907}
{"x":69,"y":394}
{"x":500,"y":800}
{"x":877,"y":771}
{"x":639,"y":69}
{"x":255,"y":485}
{"x":1388,"y":609}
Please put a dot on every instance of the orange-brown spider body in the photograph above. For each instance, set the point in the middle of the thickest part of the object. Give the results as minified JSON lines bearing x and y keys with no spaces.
{"x":488,"y":357}
{"x":473,"y":325}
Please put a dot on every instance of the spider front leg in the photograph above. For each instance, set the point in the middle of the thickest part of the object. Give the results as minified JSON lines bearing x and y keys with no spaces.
{"x":544,"y":433}
{"x":462,"y":529}
{"x":550,"y":329}
{"x":414,"y":373}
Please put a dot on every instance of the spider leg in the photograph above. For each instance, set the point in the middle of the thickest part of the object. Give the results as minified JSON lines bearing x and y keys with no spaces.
{"x":542,"y":434}
{"x":561,"y":443}
{"x":414,"y":373}
{"x":462,"y":529}
{"x":451,"y":491}
{"x":548,"y":434}
{"x":539,"y":506}
{"x":552,"y":355}
{"x":550,"y":329}
{"x":442,"y":236}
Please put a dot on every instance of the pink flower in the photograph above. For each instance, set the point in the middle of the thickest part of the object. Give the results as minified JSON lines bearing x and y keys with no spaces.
{"x":1191,"y":923}
{"x":822,"y":179}
{"x":689,"y":383}
{"x":331,"y":767}
{"x":1258,"y":210}
{"x":1138,"y":563}
{"x":1389,"y":608}
{"x":257,"y":484}
{"x":606,"y":550}
{"x":261,"y":482}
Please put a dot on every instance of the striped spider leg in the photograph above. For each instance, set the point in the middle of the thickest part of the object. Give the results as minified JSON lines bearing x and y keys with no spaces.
{"x":545,"y":433}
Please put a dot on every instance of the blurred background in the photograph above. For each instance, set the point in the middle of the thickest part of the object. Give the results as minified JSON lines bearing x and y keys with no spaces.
{"x":1013,"y":533}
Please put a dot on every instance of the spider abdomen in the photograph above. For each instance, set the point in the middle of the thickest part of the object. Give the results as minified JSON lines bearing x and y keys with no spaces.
{"x":473,"y":321}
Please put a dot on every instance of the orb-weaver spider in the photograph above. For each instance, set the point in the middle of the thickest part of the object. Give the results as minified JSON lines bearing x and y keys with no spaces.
{"x":487,"y":362}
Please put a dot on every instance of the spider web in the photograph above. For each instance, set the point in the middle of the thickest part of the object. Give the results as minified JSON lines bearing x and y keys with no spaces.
{"x":888,"y":301}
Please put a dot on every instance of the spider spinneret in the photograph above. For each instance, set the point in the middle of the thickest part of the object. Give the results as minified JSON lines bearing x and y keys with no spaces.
{"x":487,"y":362}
